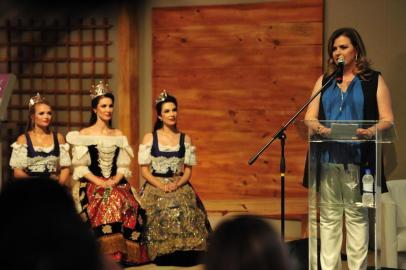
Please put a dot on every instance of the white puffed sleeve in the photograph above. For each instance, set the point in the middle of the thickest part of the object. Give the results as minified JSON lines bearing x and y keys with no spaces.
{"x":124,"y":159}
{"x":80,"y":161}
{"x":64,"y":157}
{"x":18,"y":158}
{"x":144,"y":154}
{"x":190,"y":155}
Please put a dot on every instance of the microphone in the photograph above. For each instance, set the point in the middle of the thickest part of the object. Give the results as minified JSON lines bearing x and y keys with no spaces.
{"x":340,"y":70}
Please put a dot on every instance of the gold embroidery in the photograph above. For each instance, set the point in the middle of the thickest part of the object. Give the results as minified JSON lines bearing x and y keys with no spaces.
{"x":135,"y":235}
{"x":174,"y":221}
{"x":107,"y":229}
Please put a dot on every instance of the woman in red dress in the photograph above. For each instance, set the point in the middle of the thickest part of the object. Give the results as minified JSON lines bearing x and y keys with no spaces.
{"x":101,"y":157}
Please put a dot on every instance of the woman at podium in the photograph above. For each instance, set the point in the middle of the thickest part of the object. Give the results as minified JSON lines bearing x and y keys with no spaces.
{"x":357,"y":93}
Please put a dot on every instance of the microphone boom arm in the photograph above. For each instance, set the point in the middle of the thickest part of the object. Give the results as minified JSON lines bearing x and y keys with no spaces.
{"x":279,"y":133}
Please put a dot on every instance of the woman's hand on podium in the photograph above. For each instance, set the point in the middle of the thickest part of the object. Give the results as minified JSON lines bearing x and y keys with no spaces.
{"x":366,"y":133}
{"x":323,"y":131}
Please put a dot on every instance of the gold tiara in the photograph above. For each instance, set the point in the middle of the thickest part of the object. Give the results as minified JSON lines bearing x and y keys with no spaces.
{"x":162,"y":96}
{"x":99,"y":89}
{"x":35,"y":99}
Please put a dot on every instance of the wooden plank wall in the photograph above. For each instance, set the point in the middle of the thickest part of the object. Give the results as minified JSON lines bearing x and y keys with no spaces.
{"x":128,"y":81}
{"x":239,"y":72}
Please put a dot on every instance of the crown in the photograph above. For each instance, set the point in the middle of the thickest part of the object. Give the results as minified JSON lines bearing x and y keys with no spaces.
{"x":35,"y":99}
{"x":99,"y":89}
{"x":162,"y":96}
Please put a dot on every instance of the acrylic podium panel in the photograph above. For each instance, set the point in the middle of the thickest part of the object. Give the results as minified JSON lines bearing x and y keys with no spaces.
{"x":337,"y":162}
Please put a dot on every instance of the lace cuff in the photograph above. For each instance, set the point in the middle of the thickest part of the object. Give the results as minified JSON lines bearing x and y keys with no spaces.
{"x":64,"y":157}
{"x":79,"y":172}
{"x":144,"y":154}
{"x":190,"y":155}
{"x":18,"y":157}
{"x":125,"y":171}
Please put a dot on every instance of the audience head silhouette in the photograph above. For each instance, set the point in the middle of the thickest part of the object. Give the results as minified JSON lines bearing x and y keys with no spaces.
{"x":40,"y":229}
{"x":245,"y":243}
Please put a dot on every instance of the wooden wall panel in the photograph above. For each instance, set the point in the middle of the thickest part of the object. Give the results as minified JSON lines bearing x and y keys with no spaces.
{"x":239,"y":73}
{"x":128,"y":93}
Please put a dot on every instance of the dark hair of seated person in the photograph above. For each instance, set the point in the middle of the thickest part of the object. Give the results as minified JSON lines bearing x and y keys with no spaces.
{"x":41,"y":230}
{"x":246,"y":243}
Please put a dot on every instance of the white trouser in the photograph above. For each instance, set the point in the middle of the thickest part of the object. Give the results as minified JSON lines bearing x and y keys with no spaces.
{"x":339,"y":190}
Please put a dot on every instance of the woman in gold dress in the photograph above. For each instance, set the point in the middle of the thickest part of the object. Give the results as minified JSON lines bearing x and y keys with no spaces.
{"x":176,"y":222}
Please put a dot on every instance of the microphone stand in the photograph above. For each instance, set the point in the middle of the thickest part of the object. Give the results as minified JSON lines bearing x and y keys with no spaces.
{"x":280,"y":134}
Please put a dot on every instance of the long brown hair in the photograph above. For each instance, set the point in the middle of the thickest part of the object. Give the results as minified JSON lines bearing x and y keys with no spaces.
{"x":362,"y":64}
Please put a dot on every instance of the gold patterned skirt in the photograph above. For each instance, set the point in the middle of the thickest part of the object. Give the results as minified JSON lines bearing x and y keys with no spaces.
{"x":175,"y":221}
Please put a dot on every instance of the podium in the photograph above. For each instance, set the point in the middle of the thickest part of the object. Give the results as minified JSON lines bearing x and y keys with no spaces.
{"x":338,"y":216}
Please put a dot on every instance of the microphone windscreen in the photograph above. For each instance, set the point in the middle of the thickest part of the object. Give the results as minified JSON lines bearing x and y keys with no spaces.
{"x":340,"y":70}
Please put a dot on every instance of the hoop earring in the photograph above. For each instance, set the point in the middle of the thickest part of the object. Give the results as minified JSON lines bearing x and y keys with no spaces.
{"x":356,"y":57}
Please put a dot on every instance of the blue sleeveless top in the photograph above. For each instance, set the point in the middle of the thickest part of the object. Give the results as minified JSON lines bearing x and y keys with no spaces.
{"x":344,"y":106}
{"x":338,"y":105}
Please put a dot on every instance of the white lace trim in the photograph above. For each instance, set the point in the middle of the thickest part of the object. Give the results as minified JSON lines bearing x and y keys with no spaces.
{"x":64,"y":158}
{"x":42,"y":164}
{"x":75,"y":138}
{"x":145,"y":158}
{"x":18,"y":157}
{"x":163,"y":164}
{"x":106,"y":156}
{"x":20,"y":160}
{"x":144,"y":154}
{"x":190,"y":155}
{"x":106,"y":146}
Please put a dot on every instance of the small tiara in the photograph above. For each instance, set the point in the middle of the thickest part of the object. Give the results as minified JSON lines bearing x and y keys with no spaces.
{"x":99,"y":89}
{"x":35,"y":99}
{"x":162,"y":96}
